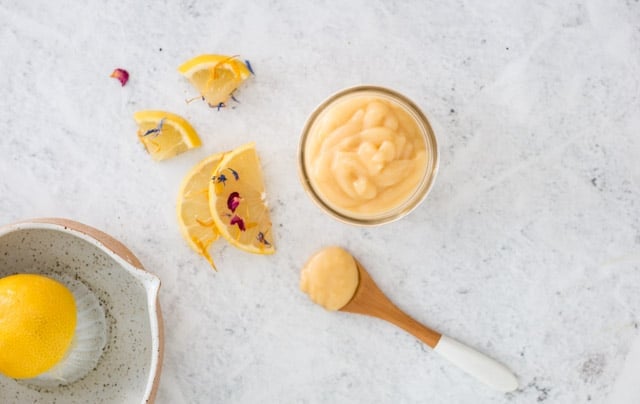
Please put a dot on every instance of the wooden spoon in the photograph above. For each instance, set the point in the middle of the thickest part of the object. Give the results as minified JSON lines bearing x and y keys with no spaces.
{"x":368,"y":299}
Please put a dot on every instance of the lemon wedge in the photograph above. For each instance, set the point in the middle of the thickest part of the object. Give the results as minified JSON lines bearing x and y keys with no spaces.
{"x":165,"y":134}
{"x":216,"y":77}
{"x":37,"y":324}
{"x":194,"y":216}
{"x":237,"y":201}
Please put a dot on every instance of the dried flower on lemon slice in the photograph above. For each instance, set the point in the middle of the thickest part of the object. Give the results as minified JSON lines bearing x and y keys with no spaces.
{"x":237,"y":200}
{"x":164,"y":134}
{"x":194,"y":215}
{"x":216,"y":77}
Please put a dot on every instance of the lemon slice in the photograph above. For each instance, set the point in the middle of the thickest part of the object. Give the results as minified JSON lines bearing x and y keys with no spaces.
{"x":216,"y":77}
{"x":238,"y":201}
{"x":194,"y":217}
{"x":164,"y":134}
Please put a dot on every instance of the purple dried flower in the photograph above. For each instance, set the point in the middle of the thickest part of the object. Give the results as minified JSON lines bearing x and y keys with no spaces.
{"x":246,"y":62}
{"x":235,"y":173}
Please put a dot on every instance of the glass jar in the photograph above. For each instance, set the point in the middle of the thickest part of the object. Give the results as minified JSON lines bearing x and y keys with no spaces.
{"x":367,"y":156}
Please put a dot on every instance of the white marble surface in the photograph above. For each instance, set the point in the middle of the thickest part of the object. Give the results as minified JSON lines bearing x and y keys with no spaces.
{"x":528,"y":247}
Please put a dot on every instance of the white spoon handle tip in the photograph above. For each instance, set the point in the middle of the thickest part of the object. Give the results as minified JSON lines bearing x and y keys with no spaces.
{"x":477,"y":364}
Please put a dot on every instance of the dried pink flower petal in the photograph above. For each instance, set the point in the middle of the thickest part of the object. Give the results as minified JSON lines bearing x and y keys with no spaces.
{"x":233,"y":201}
{"x":238,"y":220}
{"x":121,"y":75}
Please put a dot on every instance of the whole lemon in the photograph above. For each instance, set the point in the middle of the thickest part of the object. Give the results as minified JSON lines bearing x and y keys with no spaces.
{"x":37,"y":323}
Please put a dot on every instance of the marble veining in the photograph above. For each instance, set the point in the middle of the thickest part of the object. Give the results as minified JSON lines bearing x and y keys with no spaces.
{"x":527,"y":248}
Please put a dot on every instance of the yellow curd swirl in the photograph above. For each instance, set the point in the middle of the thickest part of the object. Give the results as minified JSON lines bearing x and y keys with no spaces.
{"x":365,"y":155}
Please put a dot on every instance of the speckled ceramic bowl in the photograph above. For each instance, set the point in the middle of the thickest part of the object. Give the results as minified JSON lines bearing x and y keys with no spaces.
{"x":129,"y":369}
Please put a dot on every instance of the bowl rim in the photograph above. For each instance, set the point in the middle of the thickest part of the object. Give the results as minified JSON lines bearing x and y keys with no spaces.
{"x":127,"y":260}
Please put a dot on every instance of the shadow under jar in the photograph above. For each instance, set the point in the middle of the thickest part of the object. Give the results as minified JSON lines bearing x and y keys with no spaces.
{"x":367,"y":156}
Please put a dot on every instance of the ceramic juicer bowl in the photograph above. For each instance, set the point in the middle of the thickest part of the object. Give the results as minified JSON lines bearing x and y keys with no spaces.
{"x":129,"y":369}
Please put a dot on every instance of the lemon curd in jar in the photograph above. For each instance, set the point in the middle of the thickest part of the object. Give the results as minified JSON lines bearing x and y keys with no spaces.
{"x":368,"y":155}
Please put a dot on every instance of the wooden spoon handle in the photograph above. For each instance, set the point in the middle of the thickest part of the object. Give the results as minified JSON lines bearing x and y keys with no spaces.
{"x":369,"y":299}
{"x":401,"y":319}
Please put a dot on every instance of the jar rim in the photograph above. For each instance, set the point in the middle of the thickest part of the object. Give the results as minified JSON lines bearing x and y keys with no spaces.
{"x":422,"y":189}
